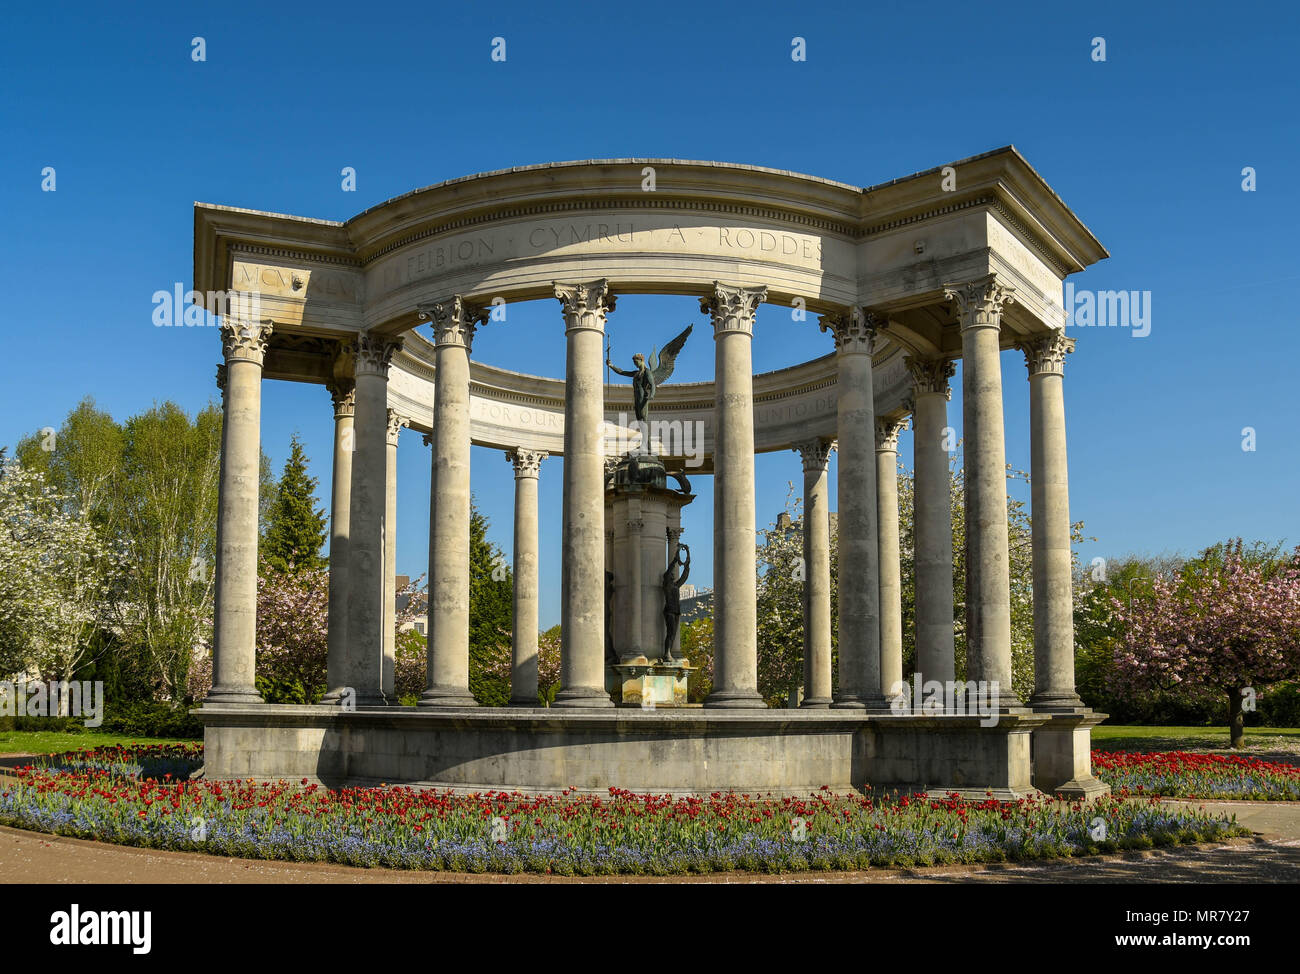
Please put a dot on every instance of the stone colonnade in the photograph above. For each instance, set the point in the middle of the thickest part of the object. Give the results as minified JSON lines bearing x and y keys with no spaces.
{"x":870,"y":622}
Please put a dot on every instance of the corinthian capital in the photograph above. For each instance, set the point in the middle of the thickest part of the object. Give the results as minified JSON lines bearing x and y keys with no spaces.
{"x":395,"y":423}
{"x":854,"y":330}
{"x":887,"y":431}
{"x":344,"y":394}
{"x":930,"y":375}
{"x":815,"y":453}
{"x":733,"y":308}
{"x":585,"y":305}
{"x":527,"y":463}
{"x":454,"y":321}
{"x":980,"y":303}
{"x":371,"y":355}
{"x":1046,"y":355}
{"x":244,"y":340}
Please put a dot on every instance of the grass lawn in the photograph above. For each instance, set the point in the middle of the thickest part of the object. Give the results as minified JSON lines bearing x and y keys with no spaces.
{"x":1131,"y":738}
{"x":55,"y":742}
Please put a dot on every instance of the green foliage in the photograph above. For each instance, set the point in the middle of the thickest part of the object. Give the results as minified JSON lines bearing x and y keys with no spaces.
{"x":135,"y":719}
{"x":781,"y":581}
{"x":149,"y":487}
{"x":697,"y":646}
{"x":491,"y":594}
{"x":295,"y":526}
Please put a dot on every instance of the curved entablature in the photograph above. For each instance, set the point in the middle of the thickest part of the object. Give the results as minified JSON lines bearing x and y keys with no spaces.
{"x":512,"y":410}
{"x":662,"y":226}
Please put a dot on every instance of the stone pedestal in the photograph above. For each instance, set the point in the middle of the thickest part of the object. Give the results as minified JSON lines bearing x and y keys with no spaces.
{"x":643,"y":518}
{"x":650,"y":684}
{"x":1063,"y":755}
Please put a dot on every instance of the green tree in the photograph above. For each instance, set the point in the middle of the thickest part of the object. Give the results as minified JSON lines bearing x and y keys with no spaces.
{"x":491,"y":594}
{"x":295,"y":526}
{"x":149,"y":487}
{"x":81,"y":460}
{"x":168,"y":516}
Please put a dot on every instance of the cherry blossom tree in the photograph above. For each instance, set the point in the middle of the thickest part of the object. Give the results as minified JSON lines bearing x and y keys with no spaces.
{"x":1228,"y":623}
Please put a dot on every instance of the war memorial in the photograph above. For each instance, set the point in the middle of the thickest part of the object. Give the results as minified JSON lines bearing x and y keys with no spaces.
{"x":895,"y":283}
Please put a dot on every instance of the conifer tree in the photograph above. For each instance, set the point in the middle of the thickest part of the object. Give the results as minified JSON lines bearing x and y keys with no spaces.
{"x":295,"y":526}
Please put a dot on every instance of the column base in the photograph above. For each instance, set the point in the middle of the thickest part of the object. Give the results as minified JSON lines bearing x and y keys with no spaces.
{"x":1061,"y":703}
{"x":447,"y":697}
{"x":233,"y":694}
{"x":736,"y":700}
{"x":873,"y":703}
{"x":816,"y":703}
{"x":589,"y":698}
{"x":1085,"y":789}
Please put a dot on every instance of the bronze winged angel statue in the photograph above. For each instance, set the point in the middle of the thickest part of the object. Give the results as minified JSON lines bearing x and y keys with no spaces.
{"x":649,"y":376}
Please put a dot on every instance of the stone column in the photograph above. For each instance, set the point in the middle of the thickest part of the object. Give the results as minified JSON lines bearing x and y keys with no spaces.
{"x":891,"y":579}
{"x":343,"y":393}
{"x":454,"y":323}
{"x":859,"y":602}
{"x":1050,"y":496}
{"x":389,"y":676}
{"x":932,"y":519}
{"x":523,"y":641}
{"x":988,"y":581}
{"x":582,"y":583}
{"x":365,"y":652}
{"x":735,"y":609}
{"x":817,"y":573}
{"x":234,"y":646}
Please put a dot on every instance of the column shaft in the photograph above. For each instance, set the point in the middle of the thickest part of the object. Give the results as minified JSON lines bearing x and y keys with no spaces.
{"x":735,"y":609}
{"x":389,"y":674}
{"x":366,"y":540}
{"x":234,"y":650}
{"x":454,"y":323}
{"x":1050,"y":496}
{"x":988,"y":583}
{"x":343,"y":393}
{"x":523,"y":640}
{"x":891,"y":580}
{"x":933,"y":521}
{"x":582,"y":613}
{"x":817,"y":574}
{"x":859,"y":581}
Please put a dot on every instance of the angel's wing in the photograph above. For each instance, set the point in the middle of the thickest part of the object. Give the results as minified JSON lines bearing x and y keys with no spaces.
{"x":664,"y":368}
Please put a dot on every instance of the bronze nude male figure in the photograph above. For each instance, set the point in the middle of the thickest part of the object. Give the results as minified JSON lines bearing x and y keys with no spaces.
{"x":673,"y":597}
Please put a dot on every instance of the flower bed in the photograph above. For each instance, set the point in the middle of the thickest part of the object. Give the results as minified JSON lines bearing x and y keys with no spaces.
{"x":1181,"y":774}
{"x":92,"y":796}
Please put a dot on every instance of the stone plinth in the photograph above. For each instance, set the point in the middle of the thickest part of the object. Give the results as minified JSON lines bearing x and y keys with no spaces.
{"x":642,"y":514}
{"x":682,"y":751}
{"x":649,"y":684}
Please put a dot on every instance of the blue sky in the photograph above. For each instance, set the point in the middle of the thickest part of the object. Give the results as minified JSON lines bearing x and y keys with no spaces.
{"x":1147,"y":147}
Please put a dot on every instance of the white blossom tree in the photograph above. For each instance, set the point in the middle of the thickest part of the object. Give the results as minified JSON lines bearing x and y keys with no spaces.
{"x":56,"y":574}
